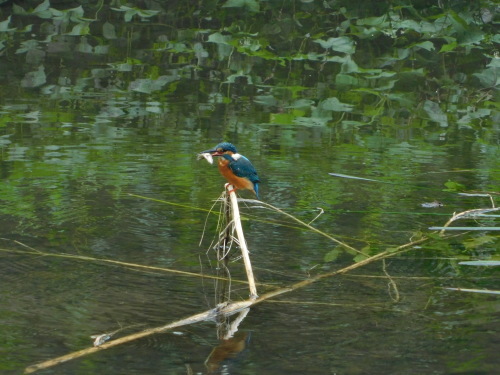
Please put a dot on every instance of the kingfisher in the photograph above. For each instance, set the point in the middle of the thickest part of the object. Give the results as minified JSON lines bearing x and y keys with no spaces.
{"x":235,"y":168}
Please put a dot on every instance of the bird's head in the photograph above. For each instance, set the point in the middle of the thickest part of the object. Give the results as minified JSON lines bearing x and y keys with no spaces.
{"x":221,"y":149}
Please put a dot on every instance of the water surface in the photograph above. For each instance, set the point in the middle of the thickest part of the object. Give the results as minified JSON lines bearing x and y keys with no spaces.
{"x":99,"y":132}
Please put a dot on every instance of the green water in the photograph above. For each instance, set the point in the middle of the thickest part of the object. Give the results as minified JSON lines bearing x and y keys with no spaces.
{"x":103,"y":109}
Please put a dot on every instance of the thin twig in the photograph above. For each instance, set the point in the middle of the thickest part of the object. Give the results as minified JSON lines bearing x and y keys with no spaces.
{"x":260,"y":204}
{"x":117,"y":262}
{"x":22,"y":244}
{"x":206,"y":221}
{"x":321,"y":212}
{"x":467,"y":214}
{"x":391,"y":285}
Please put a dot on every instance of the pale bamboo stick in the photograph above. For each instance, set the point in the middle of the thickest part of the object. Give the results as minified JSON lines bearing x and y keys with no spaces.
{"x":241,"y":239}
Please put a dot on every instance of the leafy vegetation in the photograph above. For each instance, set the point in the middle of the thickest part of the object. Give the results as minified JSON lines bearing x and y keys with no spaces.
{"x":344,"y":68}
{"x":402,"y":63}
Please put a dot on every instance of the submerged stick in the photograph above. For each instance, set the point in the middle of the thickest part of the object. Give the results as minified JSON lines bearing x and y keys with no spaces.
{"x":231,"y":308}
{"x":223,"y":309}
{"x":117,"y":262}
{"x":206,"y":315}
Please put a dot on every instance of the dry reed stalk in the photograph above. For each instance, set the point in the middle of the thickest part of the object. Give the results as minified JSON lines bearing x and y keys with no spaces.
{"x":261,"y":204}
{"x":241,"y":239}
{"x":222,"y":309}
{"x":119,"y":263}
{"x":226,"y":309}
{"x":467,"y":215}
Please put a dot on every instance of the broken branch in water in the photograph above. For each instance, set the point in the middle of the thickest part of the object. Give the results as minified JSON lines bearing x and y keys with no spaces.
{"x":226,"y":309}
{"x":223,"y":309}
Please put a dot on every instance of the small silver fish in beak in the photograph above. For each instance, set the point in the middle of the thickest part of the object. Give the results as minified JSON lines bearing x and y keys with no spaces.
{"x":205,"y":155}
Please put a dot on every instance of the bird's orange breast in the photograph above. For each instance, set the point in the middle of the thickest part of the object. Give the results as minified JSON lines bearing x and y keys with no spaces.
{"x":237,"y":182}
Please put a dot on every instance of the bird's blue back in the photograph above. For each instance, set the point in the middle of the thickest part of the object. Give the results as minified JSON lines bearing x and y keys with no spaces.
{"x":242,"y":167}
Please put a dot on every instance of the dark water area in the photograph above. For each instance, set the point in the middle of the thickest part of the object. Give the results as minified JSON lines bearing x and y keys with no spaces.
{"x":103,"y":109}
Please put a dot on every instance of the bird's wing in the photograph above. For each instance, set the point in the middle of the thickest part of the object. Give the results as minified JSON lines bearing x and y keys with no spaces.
{"x":243,"y":168}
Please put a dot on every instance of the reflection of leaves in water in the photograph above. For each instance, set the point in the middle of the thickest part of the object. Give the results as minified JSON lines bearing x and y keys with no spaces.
{"x":427,"y":45}
{"x":332,"y":255}
{"x":149,"y":85}
{"x":333,"y":104}
{"x":251,"y":5}
{"x":4,"y":25}
{"x":129,"y":12}
{"x":42,"y":10}
{"x":474,"y":113}
{"x":394,"y":72}
{"x":489,"y":77}
{"x":435,"y":113}
{"x":475,"y":242}
{"x":35,"y":78}
{"x":80,"y":29}
{"x":342,"y":44}
{"x":453,"y":186}
{"x":108,"y":31}
{"x":28,"y":45}
{"x":4,"y":140}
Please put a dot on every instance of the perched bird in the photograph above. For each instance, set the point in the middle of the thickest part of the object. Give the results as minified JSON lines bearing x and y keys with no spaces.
{"x":236,"y":168}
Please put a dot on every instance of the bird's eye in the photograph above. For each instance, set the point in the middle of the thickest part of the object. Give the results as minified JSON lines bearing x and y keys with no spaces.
{"x":219,"y":149}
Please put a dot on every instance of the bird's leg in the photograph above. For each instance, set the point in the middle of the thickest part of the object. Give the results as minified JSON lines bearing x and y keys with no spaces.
{"x":226,"y":186}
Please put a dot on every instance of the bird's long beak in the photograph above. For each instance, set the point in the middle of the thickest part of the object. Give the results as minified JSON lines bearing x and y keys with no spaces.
{"x":212,"y":152}
{"x":207,"y":155}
